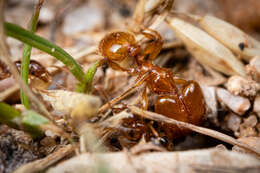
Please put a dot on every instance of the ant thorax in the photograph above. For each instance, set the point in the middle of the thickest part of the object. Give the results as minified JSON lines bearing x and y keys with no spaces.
{"x":160,"y":80}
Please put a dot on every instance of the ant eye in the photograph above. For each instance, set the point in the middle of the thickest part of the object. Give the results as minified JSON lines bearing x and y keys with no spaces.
{"x":115,"y":45}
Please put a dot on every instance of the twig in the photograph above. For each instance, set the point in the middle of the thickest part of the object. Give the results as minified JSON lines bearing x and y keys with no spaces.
{"x":44,"y":163}
{"x":200,"y":168}
{"x":163,"y":162}
{"x":125,"y":94}
{"x":27,"y":54}
{"x":9,"y":91}
{"x":6,"y":58}
{"x":202,"y":130}
{"x":173,"y":44}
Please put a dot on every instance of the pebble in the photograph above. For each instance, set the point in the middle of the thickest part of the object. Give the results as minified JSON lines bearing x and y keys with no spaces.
{"x":256,"y":108}
{"x":247,"y":128}
{"x":247,"y":132}
{"x":253,"y":69}
{"x":238,"y":85}
{"x":237,"y":104}
{"x":251,"y":121}
{"x":233,"y":122}
{"x":209,"y":94}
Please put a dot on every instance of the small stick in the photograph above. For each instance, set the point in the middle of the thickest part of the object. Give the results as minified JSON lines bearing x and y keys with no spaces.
{"x":9,"y":91}
{"x":173,"y":44}
{"x":44,"y":163}
{"x":125,"y":94}
{"x":202,"y":130}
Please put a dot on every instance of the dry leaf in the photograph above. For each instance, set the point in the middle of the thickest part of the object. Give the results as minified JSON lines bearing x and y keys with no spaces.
{"x":66,"y":101}
{"x":206,"y":49}
{"x":152,"y":4}
{"x":231,"y":36}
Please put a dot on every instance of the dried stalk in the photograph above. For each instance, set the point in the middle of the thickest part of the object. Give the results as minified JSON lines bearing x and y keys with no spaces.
{"x":173,"y":44}
{"x":8,"y":92}
{"x":202,"y":130}
{"x":6,"y":58}
{"x":145,"y":14}
{"x":163,"y":162}
{"x":125,"y":94}
{"x":44,"y":163}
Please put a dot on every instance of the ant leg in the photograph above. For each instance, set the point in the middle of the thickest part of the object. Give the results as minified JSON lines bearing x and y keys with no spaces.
{"x":126,"y":93}
{"x":144,"y":101}
{"x":100,"y":89}
{"x":154,"y":47}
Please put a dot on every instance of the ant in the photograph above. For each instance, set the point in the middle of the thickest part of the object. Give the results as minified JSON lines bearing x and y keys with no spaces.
{"x":35,"y":70}
{"x":175,"y":98}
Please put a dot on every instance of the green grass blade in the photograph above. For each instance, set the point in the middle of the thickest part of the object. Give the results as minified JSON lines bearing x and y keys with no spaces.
{"x":9,"y":115}
{"x":89,"y":76}
{"x":32,"y":123}
{"x":29,"y":121}
{"x":27,"y":54}
{"x":40,"y":43}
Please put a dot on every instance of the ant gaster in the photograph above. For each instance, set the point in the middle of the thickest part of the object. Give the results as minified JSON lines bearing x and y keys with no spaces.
{"x":176,"y":98}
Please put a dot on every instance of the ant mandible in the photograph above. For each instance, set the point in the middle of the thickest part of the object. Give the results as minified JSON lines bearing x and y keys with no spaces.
{"x":176,"y":98}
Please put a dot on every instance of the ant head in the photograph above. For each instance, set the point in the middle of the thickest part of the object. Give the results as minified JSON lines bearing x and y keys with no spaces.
{"x":118,"y":46}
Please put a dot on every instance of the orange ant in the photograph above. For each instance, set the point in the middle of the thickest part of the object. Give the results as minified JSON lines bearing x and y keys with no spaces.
{"x":35,"y":69}
{"x":176,"y":98}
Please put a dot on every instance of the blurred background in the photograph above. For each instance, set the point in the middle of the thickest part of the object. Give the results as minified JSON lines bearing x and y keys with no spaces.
{"x":69,"y":22}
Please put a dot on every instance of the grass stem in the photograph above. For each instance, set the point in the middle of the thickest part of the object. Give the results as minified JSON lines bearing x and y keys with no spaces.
{"x":29,"y":121}
{"x":88,"y":77}
{"x":27,"y":54}
{"x":44,"y":45}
